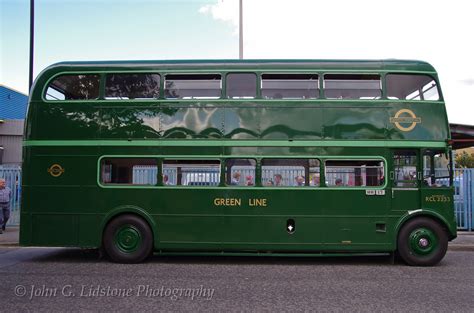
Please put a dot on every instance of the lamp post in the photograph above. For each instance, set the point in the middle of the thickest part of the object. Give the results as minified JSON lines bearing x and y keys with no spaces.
{"x":241,"y":32}
{"x":32,"y":41}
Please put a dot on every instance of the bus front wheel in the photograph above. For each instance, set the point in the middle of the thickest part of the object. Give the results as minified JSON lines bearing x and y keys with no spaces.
{"x":128,"y":239}
{"x":422,"y":242}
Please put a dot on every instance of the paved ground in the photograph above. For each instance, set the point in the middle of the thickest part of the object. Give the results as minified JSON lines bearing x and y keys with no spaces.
{"x":71,"y":279}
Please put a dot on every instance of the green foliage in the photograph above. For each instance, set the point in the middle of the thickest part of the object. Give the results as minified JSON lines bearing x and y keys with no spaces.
{"x":465,"y":160}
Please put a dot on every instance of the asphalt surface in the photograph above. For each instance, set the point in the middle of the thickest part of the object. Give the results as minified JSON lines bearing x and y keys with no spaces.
{"x":44,"y":279}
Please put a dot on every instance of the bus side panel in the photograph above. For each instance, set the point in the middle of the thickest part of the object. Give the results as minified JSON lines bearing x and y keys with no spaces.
{"x":58,"y":121}
{"x":356,"y":220}
{"x":59,"y":197}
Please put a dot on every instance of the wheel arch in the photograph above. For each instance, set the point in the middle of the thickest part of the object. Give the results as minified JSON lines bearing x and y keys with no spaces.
{"x":410,"y":215}
{"x":134,"y":210}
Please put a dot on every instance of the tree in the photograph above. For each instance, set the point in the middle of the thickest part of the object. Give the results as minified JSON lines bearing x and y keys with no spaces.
{"x":465,"y":160}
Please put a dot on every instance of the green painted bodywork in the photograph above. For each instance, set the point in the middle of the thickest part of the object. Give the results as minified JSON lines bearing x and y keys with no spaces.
{"x":73,"y":208}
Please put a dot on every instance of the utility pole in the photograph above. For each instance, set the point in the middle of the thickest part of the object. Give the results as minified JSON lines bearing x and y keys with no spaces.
{"x":241,"y":32}
{"x":32,"y":41}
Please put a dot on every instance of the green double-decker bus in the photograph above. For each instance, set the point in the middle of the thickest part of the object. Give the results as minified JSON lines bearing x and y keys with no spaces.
{"x":248,"y":157}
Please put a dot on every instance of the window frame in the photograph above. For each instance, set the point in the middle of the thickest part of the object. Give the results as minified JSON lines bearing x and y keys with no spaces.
{"x":163,"y":159}
{"x":257,"y":88}
{"x":307,"y":184}
{"x":163,"y":85}
{"x":433,"y":76}
{"x":256,"y":180}
{"x":360,"y":73}
{"x":46,"y":86}
{"x":345,"y":158}
{"x":318,"y":85}
{"x":119,"y":185}
{"x":406,"y":183}
{"x":431,"y":153}
{"x":103,"y":85}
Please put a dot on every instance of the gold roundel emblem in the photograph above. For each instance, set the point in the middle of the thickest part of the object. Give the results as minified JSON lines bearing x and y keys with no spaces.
{"x":55,"y":170}
{"x":408,"y":117}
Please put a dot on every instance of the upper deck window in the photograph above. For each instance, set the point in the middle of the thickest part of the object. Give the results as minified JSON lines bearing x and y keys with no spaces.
{"x":73,"y":87}
{"x":290,"y":86}
{"x":411,"y":87}
{"x":132,"y":86}
{"x":352,"y":86}
{"x":241,"y":85}
{"x":193,"y":86}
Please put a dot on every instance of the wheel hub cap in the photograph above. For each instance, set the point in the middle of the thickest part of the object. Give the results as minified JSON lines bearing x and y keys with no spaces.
{"x":128,"y":238}
{"x":423,"y":241}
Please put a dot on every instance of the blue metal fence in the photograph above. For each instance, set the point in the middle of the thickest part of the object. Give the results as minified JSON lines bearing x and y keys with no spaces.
{"x":463,"y":198}
{"x":12,"y":176}
{"x":463,"y":185}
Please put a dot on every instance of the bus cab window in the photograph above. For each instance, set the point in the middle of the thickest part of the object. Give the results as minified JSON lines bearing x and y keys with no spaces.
{"x":436,"y":169}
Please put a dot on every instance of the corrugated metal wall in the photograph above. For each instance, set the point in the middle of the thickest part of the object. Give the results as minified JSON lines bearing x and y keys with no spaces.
{"x":12,"y":104}
{"x":11,"y":135}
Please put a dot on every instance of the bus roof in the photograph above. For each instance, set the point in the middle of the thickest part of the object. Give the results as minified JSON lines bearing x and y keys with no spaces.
{"x":376,"y":65}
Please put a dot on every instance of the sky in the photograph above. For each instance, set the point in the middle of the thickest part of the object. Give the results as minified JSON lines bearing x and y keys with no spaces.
{"x":439,"y":32}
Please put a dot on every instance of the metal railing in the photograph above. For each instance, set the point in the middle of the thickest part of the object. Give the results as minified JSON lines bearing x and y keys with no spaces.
{"x":12,"y":176}
{"x":463,"y":198}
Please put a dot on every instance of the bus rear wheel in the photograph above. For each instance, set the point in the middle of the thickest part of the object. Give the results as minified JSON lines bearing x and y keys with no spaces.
{"x":422,"y":242}
{"x":128,"y":239}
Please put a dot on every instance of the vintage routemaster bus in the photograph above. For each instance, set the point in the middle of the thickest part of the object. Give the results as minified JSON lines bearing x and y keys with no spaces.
{"x":249,"y":157}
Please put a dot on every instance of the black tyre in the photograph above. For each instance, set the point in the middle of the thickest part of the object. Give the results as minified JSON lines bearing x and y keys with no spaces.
{"x":422,"y":242}
{"x":128,"y":239}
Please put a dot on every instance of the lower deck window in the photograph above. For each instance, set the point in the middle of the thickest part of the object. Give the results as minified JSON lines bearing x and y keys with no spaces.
{"x":129,"y":171}
{"x":191,"y":172}
{"x":290,"y":172}
{"x":405,"y":165}
{"x":240,"y":172}
{"x":354,"y":173}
